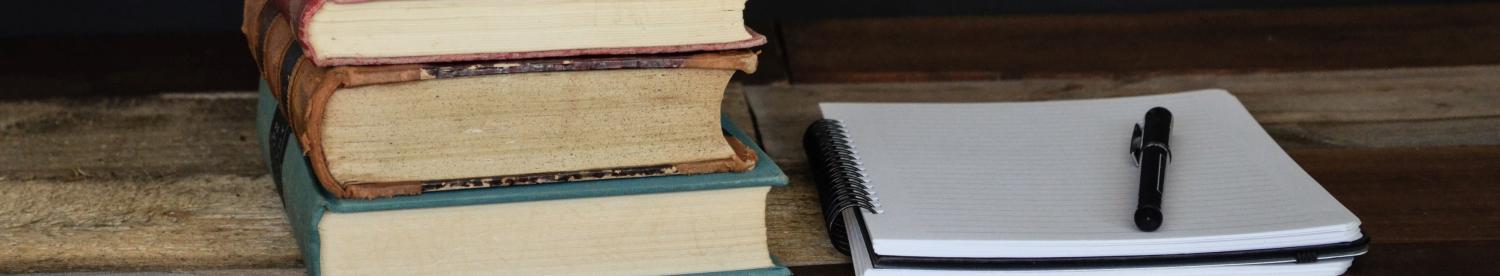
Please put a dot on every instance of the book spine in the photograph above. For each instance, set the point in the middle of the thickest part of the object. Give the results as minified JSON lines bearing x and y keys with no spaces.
{"x":303,"y":203}
{"x":842,"y":183}
{"x":301,"y":89}
{"x":273,"y":132}
{"x":270,"y":34}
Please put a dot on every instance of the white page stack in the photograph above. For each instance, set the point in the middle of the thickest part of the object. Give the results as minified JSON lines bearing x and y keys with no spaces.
{"x":1049,"y":187}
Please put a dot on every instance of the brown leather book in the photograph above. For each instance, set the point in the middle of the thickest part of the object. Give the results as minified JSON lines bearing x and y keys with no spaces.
{"x":388,"y":130}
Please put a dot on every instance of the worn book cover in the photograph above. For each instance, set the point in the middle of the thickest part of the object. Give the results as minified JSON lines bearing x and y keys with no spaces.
{"x":267,"y":18}
{"x":304,"y":90}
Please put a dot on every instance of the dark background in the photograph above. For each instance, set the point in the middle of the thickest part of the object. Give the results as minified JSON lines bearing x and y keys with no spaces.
{"x":95,"y":47}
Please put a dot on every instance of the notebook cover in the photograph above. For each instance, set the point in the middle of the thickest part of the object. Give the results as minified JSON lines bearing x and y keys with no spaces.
{"x":821,"y":147}
{"x":304,"y":89}
{"x":305,"y":201}
{"x":1301,"y":254}
{"x":292,"y":16}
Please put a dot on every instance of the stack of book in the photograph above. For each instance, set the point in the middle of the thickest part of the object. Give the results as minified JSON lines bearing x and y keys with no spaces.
{"x":511,"y":137}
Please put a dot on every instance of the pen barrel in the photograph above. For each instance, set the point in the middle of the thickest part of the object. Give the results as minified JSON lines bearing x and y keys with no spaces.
{"x":1155,"y":153}
{"x":1148,"y":214}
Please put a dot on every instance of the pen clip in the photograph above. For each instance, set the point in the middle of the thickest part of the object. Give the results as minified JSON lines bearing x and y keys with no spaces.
{"x":1135,"y":145}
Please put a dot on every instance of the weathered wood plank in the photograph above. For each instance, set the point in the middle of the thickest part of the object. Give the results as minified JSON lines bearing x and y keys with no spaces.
{"x":136,"y":183}
{"x":1361,"y":108}
{"x":194,"y":222}
{"x":140,"y":137}
{"x":794,"y":221}
{"x":1437,"y":258}
{"x":1025,"y":46}
{"x":1414,"y":195}
{"x":1446,"y":132}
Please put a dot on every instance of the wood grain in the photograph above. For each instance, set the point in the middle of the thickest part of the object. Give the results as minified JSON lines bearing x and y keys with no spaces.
{"x":1414,"y":195}
{"x":166,"y":182}
{"x":194,"y":222}
{"x":1359,"y":108}
{"x":121,"y":138}
{"x":1026,"y":46}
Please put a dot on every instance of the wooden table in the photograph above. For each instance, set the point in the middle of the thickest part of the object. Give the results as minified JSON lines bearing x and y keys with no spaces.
{"x":1394,"y":109}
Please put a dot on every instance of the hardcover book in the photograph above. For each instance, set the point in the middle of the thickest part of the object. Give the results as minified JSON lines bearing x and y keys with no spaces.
{"x":379,"y":131}
{"x":688,"y":224}
{"x":368,"y":32}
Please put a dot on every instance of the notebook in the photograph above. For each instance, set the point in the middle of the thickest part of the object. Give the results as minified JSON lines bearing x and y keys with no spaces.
{"x":1051,"y":185}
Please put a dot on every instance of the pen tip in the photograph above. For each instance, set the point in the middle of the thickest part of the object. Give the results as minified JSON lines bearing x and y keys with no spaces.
{"x":1148,"y":219}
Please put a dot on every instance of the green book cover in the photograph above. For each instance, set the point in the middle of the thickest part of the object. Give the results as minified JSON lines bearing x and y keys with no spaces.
{"x":305,"y":201}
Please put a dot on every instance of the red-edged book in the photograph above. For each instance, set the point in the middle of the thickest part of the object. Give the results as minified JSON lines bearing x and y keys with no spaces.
{"x":369,"y":32}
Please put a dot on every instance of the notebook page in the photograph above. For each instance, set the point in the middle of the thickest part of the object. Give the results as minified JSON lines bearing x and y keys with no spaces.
{"x":1047,"y":179}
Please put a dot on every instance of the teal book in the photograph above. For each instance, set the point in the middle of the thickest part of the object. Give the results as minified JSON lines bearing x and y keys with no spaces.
{"x":711,"y":224}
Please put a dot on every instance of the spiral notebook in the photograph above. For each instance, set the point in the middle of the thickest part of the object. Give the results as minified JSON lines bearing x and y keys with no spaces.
{"x":1025,"y":186}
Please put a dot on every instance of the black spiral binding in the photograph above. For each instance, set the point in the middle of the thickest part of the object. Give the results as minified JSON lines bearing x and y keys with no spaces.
{"x":842,"y":181}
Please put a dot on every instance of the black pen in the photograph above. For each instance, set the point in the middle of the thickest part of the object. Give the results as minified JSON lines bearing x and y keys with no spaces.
{"x":1150,"y":148}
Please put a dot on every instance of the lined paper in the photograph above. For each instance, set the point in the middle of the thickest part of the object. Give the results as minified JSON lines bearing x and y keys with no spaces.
{"x":1055,"y":179}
